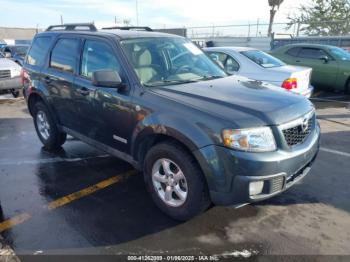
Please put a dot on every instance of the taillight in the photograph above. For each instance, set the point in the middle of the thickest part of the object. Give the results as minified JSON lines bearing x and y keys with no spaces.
{"x":290,"y":83}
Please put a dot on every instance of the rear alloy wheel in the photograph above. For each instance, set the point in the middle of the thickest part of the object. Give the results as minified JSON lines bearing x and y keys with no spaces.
{"x":175,"y":181}
{"x":46,"y":128}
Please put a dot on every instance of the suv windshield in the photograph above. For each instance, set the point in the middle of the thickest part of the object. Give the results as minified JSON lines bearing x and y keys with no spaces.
{"x":167,"y":61}
{"x":340,"y":53}
{"x":262,"y":59}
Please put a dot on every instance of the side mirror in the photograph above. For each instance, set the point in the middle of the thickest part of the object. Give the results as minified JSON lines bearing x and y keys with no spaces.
{"x":106,"y":78}
{"x":8,"y":55}
{"x":324,"y":58}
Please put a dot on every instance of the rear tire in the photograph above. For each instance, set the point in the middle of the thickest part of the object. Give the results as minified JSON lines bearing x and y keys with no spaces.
{"x":179,"y":189}
{"x":46,"y":128}
{"x":15,"y":93}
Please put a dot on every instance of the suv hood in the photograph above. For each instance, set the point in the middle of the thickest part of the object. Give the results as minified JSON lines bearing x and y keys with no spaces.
{"x":247,"y":103}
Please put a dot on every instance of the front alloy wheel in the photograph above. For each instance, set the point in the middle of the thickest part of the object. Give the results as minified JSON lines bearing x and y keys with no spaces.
{"x":169,"y":182}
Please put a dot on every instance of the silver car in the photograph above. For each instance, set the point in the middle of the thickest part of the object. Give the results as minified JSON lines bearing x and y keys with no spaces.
{"x":258,"y":65}
{"x":9,"y":76}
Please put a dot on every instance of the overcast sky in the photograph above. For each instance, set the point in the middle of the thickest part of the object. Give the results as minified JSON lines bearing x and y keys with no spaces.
{"x":155,"y":13}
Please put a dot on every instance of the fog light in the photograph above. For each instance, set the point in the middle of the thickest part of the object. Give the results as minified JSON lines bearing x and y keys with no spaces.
{"x":255,"y":188}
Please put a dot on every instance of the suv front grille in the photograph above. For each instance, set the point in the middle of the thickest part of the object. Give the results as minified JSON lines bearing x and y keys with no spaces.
{"x":5,"y":74}
{"x":297,"y":134}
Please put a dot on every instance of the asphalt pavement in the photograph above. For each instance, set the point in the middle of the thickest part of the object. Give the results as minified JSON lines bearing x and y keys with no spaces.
{"x":82,"y":201}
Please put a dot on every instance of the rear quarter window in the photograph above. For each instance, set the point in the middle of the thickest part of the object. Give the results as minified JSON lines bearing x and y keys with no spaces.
{"x":38,"y":51}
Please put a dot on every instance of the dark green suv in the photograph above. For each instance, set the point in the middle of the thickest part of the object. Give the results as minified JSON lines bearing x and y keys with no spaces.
{"x":158,"y":102}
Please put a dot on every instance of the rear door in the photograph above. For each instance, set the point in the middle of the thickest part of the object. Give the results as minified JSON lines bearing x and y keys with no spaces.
{"x":59,"y":77}
{"x":106,"y":113}
{"x":324,"y":73}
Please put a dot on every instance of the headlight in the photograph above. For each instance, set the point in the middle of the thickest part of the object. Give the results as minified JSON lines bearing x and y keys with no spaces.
{"x":15,"y":72}
{"x":254,"y":140}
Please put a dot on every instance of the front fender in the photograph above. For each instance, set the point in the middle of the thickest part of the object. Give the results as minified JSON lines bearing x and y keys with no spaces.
{"x":193,"y":135}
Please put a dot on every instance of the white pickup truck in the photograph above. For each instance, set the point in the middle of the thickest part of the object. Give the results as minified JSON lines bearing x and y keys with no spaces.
{"x":9,"y":76}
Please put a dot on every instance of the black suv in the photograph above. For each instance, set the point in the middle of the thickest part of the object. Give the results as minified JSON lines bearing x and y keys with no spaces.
{"x":158,"y":102}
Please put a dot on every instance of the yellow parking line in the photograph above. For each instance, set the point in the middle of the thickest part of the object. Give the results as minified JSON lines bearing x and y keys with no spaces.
{"x":19,"y":219}
{"x":87,"y":191}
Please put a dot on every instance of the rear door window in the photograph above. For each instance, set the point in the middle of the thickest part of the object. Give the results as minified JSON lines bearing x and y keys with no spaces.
{"x":293,"y":51}
{"x":97,"y":56}
{"x":38,"y":51}
{"x":311,"y":53}
{"x":64,"y":54}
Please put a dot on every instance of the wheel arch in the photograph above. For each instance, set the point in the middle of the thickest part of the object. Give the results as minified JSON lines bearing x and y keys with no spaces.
{"x":36,"y":97}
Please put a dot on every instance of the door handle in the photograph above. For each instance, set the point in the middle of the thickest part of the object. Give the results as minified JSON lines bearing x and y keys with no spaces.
{"x":298,"y":61}
{"x":84,"y":91}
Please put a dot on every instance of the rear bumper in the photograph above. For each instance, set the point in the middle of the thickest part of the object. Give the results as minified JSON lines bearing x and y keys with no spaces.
{"x":308,"y":92}
{"x":11,"y":83}
{"x":229,"y":172}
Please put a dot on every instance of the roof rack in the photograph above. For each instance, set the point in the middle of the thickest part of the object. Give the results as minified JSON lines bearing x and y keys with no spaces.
{"x":72,"y":27}
{"x":136,"y":28}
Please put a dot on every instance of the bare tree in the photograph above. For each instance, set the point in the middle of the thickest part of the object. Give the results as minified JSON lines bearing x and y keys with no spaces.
{"x":275,"y":5}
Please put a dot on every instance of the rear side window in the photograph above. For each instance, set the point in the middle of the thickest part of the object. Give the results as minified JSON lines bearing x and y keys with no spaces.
{"x":38,"y":51}
{"x":293,"y":51}
{"x":225,"y":61}
{"x":63,"y":55}
{"x":98,"y":56}
{"x":311,"y":53}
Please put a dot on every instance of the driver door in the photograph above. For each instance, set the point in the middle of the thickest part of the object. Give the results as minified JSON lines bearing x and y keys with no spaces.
{"x":106,"y":113}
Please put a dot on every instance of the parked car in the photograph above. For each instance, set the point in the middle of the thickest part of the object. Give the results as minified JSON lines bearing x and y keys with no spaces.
{"x":261,"y":66}
{"x":15,"y":52}
{"x":9,"y":76}
{"x":330,"y":64}
{"x":158,"y":102}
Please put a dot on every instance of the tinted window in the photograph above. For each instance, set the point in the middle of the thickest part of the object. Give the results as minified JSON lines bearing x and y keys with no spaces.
{"x":63,"y":56}
{"x":311,"y":53}
{"x":293,"y":51}
{"x":263,"y":59}
{"x":97,"y":56}
{"x":37,"y":53}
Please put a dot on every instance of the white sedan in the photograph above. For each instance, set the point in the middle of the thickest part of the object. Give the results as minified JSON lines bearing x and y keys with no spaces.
{"x":258,"y":65}
{"x":9,"y":76}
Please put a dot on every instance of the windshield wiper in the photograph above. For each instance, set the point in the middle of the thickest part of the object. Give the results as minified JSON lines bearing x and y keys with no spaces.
{"x":205,"y":77}
{"x":169,"y":82}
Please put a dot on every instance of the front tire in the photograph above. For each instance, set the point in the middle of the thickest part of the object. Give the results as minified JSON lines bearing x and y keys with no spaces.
{"x":46,"y":128}
{"x":175,"y":181}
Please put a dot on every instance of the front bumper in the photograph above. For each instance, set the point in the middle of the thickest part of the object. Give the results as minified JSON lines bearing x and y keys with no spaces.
{"x":229,"y":172}
{"x":10,"y":83}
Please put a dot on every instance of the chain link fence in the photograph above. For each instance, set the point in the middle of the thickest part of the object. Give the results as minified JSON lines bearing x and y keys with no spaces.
{"x":257,"y":29}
